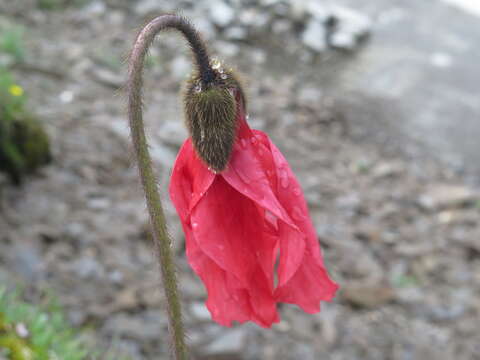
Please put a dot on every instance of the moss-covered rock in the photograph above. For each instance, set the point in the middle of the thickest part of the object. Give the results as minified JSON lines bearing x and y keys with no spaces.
{"x":24,"y":145}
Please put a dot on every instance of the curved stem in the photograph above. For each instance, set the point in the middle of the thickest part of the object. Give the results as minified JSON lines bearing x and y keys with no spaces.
{"x":161,"y":238}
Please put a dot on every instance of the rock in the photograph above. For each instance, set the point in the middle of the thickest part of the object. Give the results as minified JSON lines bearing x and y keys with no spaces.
{"x":368,"y":296}
{"x":95,"y":8}
{"x":88,"y":268}
{"x":387,"y":169}
{"x":443,"y":196}
{"x":227,"y":48}
{"x":315,"y":36}
{"x":350,"y":28}
{"x":107,"y":77}
{"x":252,"y":18}
{"x":148,"y":325}
{"x":236,"y":33}
{"x":221,"y":14}
{"x":232,"y":343}
{"x":200,"y":311}
{"x":147,"y":7}
{"x":26,"y":261}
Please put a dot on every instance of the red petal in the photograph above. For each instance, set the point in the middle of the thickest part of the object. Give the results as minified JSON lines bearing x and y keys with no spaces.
{"x":311,"y":282}
{"x":253,"y":172}
{"x":190,"y":180}
{"x":227,"y":227}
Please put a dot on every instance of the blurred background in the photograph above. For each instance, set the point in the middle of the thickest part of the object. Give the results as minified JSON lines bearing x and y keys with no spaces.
{"x":375,"y":105}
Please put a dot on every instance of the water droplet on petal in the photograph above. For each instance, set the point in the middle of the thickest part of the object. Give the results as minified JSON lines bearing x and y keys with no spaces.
{"x":243,"y":142}
{"x":298,"y":214}
{"x":297,"y":191}
{"x":283,"y":178}
{"x":272,"y":219}
{"x":195,"y":225}
{"x":253,"y":140}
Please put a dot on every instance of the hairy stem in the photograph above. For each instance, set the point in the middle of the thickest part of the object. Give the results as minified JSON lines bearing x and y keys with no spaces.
{"x":161,"y":238}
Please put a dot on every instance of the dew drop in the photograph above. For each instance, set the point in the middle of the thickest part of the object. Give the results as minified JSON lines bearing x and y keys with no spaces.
{"x":224,"y":76}
{"x":272,"y":219}
{"x":195,"y":225}
{"x":216,"y":64}
{"x":283,"y":178}
{"x":297,"y":214}
{"x":253,"y":140}
{"x":202,"y":135}
{"x":297,"y":191}
{"x":243,"y":142}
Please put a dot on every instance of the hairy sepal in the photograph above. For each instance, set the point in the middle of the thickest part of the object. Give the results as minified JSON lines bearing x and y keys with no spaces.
{"x":211,"y":120}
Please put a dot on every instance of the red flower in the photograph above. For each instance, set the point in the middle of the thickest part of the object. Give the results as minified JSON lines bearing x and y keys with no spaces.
{"x":238,"y":221}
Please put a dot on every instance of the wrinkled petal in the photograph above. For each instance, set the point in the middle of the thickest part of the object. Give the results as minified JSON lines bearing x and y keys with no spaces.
{"x":311,"y":283}
{"x":238,"y":222}
{"x":252,"y":171}
{"x":190,"y":180}
{"x":227,"y":228}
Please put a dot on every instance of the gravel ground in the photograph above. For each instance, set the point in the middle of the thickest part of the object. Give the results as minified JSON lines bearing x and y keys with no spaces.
{"x":400,"y":231}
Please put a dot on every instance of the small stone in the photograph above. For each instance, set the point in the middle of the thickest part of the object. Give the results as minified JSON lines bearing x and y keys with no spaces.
{"x":315,"y":36}
{"x":368,"y":296}
{"x":350,"y":28}
{"x":221,"y":13}
{"x":66,"y":96}
{"x":107,"y":77}
{"x":343,"y":40}
{"x":95,"y":8}
{"x":445,"y":196}
{"x":236,"y":33}
{"x":232,"y":342}
{"x":200,"y":311}
{"x":387,"y":169}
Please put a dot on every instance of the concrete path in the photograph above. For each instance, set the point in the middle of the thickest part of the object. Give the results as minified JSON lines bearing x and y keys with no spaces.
{"x":424,"y":58}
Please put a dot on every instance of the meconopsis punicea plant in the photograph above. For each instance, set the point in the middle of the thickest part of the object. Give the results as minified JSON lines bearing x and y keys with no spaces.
{"x":249,"y":236}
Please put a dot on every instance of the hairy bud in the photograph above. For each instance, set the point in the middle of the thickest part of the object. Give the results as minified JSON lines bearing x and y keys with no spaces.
{"x":210,"y":112}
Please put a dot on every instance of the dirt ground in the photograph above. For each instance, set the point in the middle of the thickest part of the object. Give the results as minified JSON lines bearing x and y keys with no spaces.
{"x":399,"y":229}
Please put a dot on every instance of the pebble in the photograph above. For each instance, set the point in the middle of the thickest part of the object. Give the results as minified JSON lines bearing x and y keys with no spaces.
{"x":200,"y":311}
{"x":236,"y":33}
{"x":315,"y":36}
{"x":368,"y":296}
{"x":220,"y":13}
{"x":230,"y":343}
{"x":443,"y":196}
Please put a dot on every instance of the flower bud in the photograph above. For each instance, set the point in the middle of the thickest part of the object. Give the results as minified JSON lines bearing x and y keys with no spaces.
{"x":210,"y":112}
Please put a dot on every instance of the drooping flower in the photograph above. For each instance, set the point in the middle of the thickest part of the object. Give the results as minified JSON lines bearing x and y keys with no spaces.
{"x":249,"y":236}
